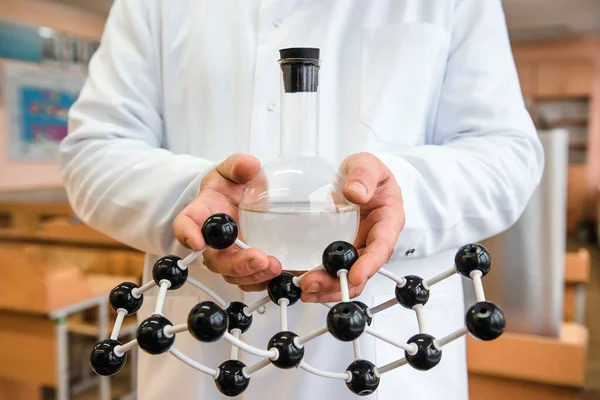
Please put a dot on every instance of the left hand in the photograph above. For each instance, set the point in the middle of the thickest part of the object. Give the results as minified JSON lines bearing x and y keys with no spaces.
{"x":370,"y":184}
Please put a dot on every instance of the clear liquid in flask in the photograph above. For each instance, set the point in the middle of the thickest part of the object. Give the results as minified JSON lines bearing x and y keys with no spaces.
{"x":297,"y":234}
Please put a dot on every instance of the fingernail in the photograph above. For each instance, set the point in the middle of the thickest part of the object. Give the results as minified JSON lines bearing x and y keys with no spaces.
{"x":314,"y":288}
{"x":189,"y":244}
{"x":358,"y":188}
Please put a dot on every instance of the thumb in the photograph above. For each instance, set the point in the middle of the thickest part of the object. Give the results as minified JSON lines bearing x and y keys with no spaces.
{"x":363,"y":172}
{"x":239,"y":168}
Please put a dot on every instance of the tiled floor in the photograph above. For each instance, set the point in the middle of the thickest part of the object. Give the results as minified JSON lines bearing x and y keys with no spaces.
{"x":592,"y":392}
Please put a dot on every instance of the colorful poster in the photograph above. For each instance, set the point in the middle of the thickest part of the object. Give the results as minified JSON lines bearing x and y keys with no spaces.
{"x":37,"y":102}
{"x":44,"y":115}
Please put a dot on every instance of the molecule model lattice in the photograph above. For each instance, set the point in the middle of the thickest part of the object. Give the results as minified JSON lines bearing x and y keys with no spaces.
{"x":210,"y":321}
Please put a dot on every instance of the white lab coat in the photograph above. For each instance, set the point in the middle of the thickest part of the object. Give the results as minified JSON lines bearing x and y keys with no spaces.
{"x":430,"y":87}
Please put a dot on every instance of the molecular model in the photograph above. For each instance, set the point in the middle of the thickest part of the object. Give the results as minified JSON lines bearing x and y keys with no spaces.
{"x":210,"y":321}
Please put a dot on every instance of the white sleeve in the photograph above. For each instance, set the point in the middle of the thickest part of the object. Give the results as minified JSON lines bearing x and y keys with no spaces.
{"x":118,"y":177}
{"x":476,"y":177}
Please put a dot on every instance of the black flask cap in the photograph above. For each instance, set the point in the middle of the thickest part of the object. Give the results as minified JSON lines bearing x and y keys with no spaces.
{"x":309,"y":53}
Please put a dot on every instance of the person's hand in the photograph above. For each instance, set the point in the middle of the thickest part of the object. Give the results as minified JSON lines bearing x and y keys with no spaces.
{"x":220,"y":192}
{"x":368,"y":183}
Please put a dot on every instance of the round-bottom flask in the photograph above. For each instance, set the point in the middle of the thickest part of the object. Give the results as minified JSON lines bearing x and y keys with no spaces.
{"x":295,"y":207}
{"x":297,"y":212}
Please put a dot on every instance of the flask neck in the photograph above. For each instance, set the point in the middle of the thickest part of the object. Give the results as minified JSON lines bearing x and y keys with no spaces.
{"x":299,"y":124}
{"x":299,"y":134}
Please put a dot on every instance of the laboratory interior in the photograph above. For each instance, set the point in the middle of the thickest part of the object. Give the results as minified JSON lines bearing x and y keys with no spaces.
{"x":70,"y":291}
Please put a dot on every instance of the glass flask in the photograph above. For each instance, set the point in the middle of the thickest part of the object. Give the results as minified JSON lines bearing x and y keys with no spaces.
{"x":295,"y":207}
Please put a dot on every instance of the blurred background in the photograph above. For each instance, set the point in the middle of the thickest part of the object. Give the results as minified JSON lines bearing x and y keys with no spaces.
{"x":56,"y":272}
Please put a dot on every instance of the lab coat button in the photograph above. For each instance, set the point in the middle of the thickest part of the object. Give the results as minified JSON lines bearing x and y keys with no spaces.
{"x":409,"y":252}
{"x":277,"y":23}
{"x":271,"y":106}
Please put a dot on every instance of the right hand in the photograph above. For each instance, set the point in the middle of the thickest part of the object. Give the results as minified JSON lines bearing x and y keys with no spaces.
{"x":220,"y":191}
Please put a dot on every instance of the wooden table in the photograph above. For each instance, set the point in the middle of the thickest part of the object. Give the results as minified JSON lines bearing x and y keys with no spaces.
{"x":38,"y":344}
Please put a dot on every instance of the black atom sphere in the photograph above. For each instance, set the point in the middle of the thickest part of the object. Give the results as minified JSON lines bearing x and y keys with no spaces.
{"x":282,"y":287}
{"x":339,"y":256}
{"x":346,"y":321}
{"x":231,"y":380}
{"x":427,"y":356}
{"x":473,"y":257}
{"x":121,"y":297}
{"x":151,"y":335}
{"x":237,"y":318}
{"x":290,"y":356}
{"x":219,"y":231}
{"x":412,"y":293}
{"x":103,"y":359}
{"x":485,"y":321}
{"x":207,"y":322}
{"x":365,"y":378}
{"x":166,"y":268}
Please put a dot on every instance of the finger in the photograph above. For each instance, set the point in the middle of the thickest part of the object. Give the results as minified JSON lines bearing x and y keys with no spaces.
{"x":364,"y":227}
{"x":236,"y":262}
{"x":363,"y":172}
{"x":239,"y":168}
{"x":259,"y":287}
{"x":273,"y":270}
{"x":376,"y":254}
{"x":187,"y":232}
{"x":330,"y":297}
{"x":321,"y":283}
{"x":259,"y":277}
{"x":187,"y":226}
{"x":384,"y":226}
{"x":384,"y":222}
{"x":256,"y":195}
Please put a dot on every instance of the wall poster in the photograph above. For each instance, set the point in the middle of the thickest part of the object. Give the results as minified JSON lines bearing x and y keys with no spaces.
{"x":37,"y":100}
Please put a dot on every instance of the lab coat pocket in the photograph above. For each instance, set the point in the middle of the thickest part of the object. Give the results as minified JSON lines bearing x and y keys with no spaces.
{"x":402,"y":68}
